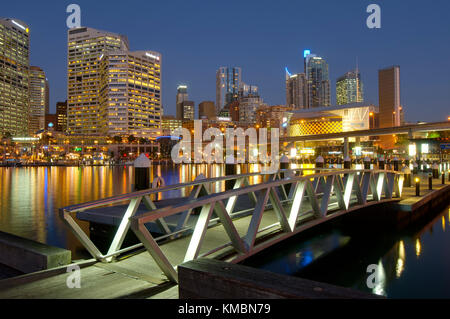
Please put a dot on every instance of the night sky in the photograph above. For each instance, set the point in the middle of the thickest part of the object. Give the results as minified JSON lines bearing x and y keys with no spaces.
{"x":262,"y":37}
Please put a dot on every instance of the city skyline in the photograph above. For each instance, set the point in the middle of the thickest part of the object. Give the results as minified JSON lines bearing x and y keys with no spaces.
{"x":375,"y":49}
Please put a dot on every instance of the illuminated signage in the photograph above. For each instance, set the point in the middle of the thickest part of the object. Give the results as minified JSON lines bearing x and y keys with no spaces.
{"x":152,"y":56}
{"x":307,"y":151}
{"x":25,"y":139}
{"x":225,"y":119}
{"x":19,"y":25}
{"x":425,"y":148}
{"x":306,"y":53}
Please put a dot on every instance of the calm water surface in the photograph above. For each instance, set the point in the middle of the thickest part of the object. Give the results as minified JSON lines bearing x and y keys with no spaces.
{"x":412,"y":263}
{"x":31,"y":196}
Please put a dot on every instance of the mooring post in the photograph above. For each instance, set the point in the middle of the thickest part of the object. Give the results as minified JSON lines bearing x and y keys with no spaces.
{"x":230,"y":170}
{"x":141,"y":172}
{"x":396,"y":167}
{"x":407,"y":172}
{"x":347,"y":163}
{"x":367,"y":162}
{"x":417,"y":180}
{"x":381,"y":162}
{"x":430,"y":181}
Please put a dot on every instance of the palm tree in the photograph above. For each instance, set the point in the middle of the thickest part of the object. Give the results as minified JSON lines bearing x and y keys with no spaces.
{"x":117,"y":139}
{"x":131,"y":139}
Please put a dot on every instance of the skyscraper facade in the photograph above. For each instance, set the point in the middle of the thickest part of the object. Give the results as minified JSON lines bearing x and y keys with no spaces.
{"x":207,"y":109}
{"x":14,"y":77}
{"x":318,"y":81}
{"x":296,"y":90}
{"x":186,"y":111}
{"x":389,"y":103}
{"x":249,"y":102}
{"x":85,"y":49}
{"x":130,"y":93}
{"x":228,"y":82}
{"x":61,"y":116}
{"x":389,"y":96}
{"x":39,"y":103}
{"x":182,"y":94}
{"x":349,"y":88}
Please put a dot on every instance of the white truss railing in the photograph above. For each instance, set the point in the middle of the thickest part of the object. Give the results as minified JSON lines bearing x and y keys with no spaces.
{"x":320,"y":197}
{"x":196,"y":189}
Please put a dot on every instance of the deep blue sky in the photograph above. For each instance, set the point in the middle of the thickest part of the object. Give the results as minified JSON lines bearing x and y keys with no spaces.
{"x":262,"y":37}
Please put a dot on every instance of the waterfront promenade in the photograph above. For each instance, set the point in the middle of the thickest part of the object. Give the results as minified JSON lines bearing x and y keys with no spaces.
{"x":139,"y":276}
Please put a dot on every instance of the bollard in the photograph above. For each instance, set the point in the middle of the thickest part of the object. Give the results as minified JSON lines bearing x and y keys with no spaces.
{"x":320,"y":162}
{"x":347,"y":163}
{"x":381,"y":162}
{"x":430,"y":181}
{"x":407,"y":172}
{"x":449,"y":175}
{"x":230,"y":170}
{"x":367,"y":162}
{"x":443,"y":177}
{"x":396,"y":164}
{"x":141,"y":172}
{"x":435,"y":170}
{"x":417,"y":180}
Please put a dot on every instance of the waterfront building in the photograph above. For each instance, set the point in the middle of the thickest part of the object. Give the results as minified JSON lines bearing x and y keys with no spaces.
{"x":130,"y":93}
{"x":186,"y":111}
{"x":61,"y":116}
{"x":335,"y":119}
{"x":207,"y":109}
{"x":228,"y":82}
{"x":389,"y":102}
{"x":296,"y":90}
{"x":14,"y":77}
{"x":39,"y":99}
{"x":349,"y":88}
{"x":318,"y":81}
{"x":85,"y":49}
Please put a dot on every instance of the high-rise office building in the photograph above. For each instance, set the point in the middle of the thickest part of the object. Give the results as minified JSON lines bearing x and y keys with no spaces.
{"x":39,"y":103}
{"x":130,"y":93}
{"x":389,"y":96}
{"x":318,"y":81}
{"x":61,"y":116}
{"x":186,"y":111}
{"x":296,"y":90}
{"x":14,"y":77}
{"x":182,"y":94}
{"x":349,"y":88}
{"x":389,"y":103}
{"x":249,"y":102}
{"x":85,"y":49}
{"x":207,"y":109}
{"x":228,"y":82}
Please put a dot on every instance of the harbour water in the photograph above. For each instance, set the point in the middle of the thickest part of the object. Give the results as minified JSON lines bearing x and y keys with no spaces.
{"x":411,"y":263}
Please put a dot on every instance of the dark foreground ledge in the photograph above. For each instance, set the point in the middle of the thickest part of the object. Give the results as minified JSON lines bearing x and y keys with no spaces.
{"x":213,"y":279}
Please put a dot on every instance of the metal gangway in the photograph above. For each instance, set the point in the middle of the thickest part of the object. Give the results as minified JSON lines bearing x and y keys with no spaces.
{"x":295,"y":202}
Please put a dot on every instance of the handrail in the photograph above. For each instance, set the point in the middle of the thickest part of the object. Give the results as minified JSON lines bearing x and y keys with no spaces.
{"x":200,"y":196}
{"x":341,"y":184}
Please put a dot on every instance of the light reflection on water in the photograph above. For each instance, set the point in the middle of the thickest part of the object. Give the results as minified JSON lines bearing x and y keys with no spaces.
{"x":412,"y":263}
{"x":31,"y":196}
